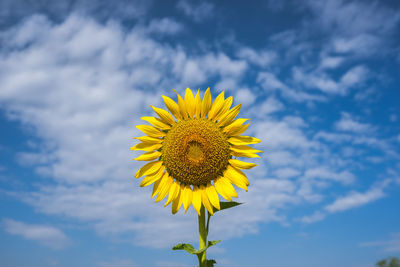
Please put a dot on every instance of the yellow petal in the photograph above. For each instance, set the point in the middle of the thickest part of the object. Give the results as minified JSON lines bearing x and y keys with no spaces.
{"x":177,"y":201}
{"x":245,"y":155}
{"x":146,"y":147}
{"x":150,"y":140}
{"x":213,"y":196}
{"x":229,"y":116}
{"x":182,"y":106}
{"x":244,"y":149}
{"x":236,"y":127}
{"x":149,"y":168}
{"x":149,"y":179}
{"x":241,"y":164}
{"x":216,"y":106}
{"x":156,"y":123}
{"x":243,"y":140}
{"x":237,"y":177}
{"x":164,"y":115}
{"x":189,"y":101}
{"x":151,"y":131}
{"x":173,"y":192}
{"x":206,"y":104}
{"x":219,"y":186}
{"x":197,"y":103}
{"x":196,"y":200}
{"x":149,"y":156}
{"x":205,"y":201}
{"x":224,"y":109}
{"x":225,"y":185}
{"x":172,"y":106}
{"x":187,"y":197}
{"x":160,"y":185}
{"x":156,"y":187}
{"x":165,"y":187}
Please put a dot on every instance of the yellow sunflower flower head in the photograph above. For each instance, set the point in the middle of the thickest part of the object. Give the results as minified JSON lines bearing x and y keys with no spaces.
{"x":191,"y":156}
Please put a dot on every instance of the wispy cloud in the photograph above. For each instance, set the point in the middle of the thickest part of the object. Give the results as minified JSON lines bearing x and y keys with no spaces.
{"x":44,"y":234}
{"x":390,"y":245}
{"x":196,"y":11}
{"x":352,"y":200}
{"x":349,"y":124}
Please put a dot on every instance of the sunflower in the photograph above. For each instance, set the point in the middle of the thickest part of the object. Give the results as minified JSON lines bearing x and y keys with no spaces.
{"x":191,"y":156}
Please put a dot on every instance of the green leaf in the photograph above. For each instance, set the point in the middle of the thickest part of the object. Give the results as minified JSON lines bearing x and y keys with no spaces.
{"x":210,"y":263}
{"x":182,"y":246}
{"x":226,"y":205}
{"x":189,"y":248}
{"x":209,"y":244}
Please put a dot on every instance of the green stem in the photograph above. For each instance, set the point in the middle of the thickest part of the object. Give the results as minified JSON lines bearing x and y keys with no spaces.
{"x":202,"y":237}
{"x":208,"y":221}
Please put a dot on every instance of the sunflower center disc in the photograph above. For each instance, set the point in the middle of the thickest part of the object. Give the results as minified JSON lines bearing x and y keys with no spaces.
{"x":195,"y":151}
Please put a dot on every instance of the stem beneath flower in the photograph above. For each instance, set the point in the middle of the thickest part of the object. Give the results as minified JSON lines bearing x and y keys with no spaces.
{"x":202,"y":237}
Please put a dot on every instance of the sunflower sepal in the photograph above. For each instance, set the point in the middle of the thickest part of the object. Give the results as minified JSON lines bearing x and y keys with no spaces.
{"x":227,"y":205}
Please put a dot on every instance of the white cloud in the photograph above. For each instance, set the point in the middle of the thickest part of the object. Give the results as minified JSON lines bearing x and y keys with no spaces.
{"x":352,"y":200}
{"x":261,"y":58}
{"x":351,"y":18}
{"x":331,"y":62}
{"x":360,"y":44}
{"x":265,"y":108}
{"x":270,"y":83}
{"x":197,"y":12}
{"x":245,"y":96}
{"x":165,"y":26}
{"x":316,"y":217}
{"x":355,"y":199}
{"x":317,"y":80}
{"x":392,"y":245}
{"x":354,"y":76}
{"x":44,"y":234}
{"x":343,"y":177}
{"x":281,"y":134}
{"x":348,"y":124}
{"x":286,"y":172}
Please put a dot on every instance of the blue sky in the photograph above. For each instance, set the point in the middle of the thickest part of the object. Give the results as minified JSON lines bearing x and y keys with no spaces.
{"x":319,"y":79}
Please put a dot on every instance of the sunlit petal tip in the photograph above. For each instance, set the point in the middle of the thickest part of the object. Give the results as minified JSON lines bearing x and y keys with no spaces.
{"x":237,"y":177}
{"x":190,"y":103}
{"x":205,"y":200}
{"x":196,"y":201}
{"x":213,"y":196}
{"x":219,"y":186}
{"x":187,"y":197}
{"x":241,"y":164}
{"x":206,"y":103}
{"x":149,"y":179}
{"x":148,"y":156}
{"x":151,"y":131}
{"x":177,"y":202}
{"x":173,"y":192}
{"x":165,"y":187}
{"x":146,"y":147}
{"x":164,"y":115}
{"x":149,"y":168}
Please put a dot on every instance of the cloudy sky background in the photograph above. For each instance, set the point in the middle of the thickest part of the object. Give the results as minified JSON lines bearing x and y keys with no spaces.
{"x":318,"y":79}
